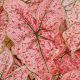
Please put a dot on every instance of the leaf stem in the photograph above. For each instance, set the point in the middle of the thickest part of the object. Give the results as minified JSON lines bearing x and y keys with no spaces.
{"x":41,"y":22}
{"x":41,"y":51}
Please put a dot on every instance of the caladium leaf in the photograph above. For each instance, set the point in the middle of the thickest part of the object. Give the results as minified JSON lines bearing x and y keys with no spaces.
{"x":74,"y":74}
{"x":39,"y":55}
{"x":72,"y":39}
{"x":20,"y":73}
{"x":6,"y":61}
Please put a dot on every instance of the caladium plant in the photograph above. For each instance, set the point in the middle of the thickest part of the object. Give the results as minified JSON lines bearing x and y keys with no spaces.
{"x":36,"y":38}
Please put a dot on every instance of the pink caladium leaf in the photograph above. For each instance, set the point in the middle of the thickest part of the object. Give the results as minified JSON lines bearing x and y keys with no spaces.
{"x":37,"y":40}
{"x":72,"y":75}
{"x":19,"y":74}
{"x":34,"y":36}
{"x":6,"y":61}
